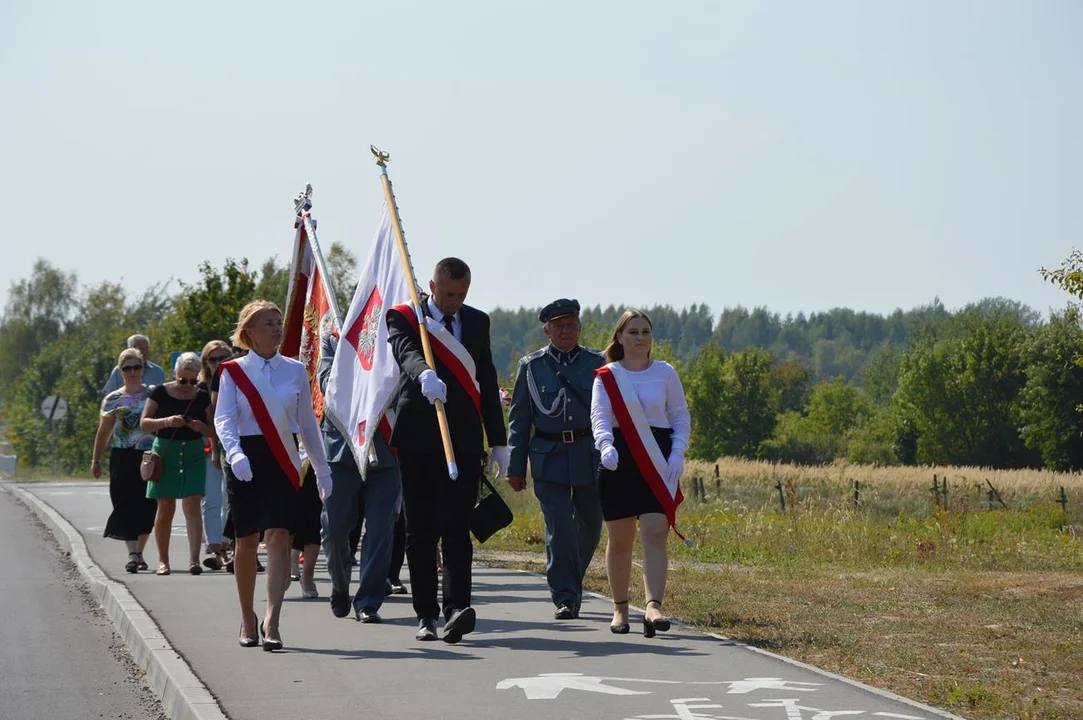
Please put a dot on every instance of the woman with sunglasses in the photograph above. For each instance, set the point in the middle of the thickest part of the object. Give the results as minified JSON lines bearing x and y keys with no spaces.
{"x":133,"y":513}
{"x":214,"y":354}
{"x":179,"y":415}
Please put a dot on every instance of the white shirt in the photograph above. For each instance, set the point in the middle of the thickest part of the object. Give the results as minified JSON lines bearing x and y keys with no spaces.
{"x":660,"y":393}
{"x":234,"y":419}
{"x":438,"y":316}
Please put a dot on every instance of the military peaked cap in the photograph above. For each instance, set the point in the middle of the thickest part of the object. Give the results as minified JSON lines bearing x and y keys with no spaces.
{"x":558,"y":309}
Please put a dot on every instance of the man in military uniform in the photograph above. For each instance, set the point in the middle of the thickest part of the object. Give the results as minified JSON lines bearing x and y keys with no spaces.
{"x":549,"y":422}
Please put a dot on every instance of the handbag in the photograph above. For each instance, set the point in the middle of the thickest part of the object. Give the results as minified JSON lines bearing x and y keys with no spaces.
{"x":152,"y":466}
{"x":490,"y":514}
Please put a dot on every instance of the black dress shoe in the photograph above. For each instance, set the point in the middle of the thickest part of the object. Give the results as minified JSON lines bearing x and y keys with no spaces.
{"x":368,"y":615}
{"x":565,"y":611}
{"x":340,"y":603}
{"x":397,"y":588}
{"x":459,"y":623}
{"x":426,"y":630}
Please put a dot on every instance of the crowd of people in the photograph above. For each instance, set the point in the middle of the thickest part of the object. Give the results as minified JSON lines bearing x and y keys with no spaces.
{"x":240,"y":445}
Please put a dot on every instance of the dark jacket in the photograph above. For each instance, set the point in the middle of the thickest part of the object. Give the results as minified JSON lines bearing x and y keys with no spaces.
{"x":416,"y":428}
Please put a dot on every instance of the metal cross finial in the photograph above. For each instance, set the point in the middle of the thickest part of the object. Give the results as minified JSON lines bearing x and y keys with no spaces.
{"x":303,"y":201}
{"x":382,"y":158}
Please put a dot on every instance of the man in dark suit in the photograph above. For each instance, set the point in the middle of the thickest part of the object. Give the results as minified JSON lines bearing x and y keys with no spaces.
{"x":438,"y":508}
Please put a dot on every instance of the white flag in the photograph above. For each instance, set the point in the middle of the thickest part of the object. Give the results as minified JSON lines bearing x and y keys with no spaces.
{"x":364,"y":374}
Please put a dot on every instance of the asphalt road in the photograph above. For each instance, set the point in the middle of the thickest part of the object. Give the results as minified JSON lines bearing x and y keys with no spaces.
{"x":519,"y":664}
{"x":59,"y":656}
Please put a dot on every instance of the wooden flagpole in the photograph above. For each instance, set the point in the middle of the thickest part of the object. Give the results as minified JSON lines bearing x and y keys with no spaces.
{"x":382,"y":158}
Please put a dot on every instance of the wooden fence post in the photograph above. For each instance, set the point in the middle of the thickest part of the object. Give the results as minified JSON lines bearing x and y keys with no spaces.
{"x":994,"y":493}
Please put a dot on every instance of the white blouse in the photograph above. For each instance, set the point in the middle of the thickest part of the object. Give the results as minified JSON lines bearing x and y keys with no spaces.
{"x":660,"y":393}
{"x":233,"y":417}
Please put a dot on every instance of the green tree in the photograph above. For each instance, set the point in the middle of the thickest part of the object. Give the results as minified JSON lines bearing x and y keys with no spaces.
{"x":880,"y":374}
{"x":1050,"y":402}
{"x":704,"y":386}
{"x":342,"y":267}
{"x":875,"y":441}
{"x":274,"y":280}
{"x":731,"y":401}
{"x":1069,"y":276}
{"x":38,"y":311}
{"x":960,"y":395}
{"x":792,"y":384}
{"x":835,"y":410}
{"x":208,"y":309}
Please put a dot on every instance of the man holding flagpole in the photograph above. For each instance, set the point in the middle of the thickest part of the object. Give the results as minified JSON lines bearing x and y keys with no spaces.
{"x":438,"y":508}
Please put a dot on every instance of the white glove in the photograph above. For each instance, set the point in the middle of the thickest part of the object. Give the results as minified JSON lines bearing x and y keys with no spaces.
{"x":323,"y":486}
{"x":499,"y":459}
{"x":609,"y":458}
{"x":242,"y":469}
{"x":432,"y":387}
{"x":674,"y":468}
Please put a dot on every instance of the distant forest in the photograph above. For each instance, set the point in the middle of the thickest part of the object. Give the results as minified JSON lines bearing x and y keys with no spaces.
{"x":829,"y":344}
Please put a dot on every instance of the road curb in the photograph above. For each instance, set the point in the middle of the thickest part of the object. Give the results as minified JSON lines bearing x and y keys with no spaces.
{"x":182,"y":694}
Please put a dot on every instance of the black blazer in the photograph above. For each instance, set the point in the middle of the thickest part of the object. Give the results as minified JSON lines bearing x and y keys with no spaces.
{"x":416,"y":428}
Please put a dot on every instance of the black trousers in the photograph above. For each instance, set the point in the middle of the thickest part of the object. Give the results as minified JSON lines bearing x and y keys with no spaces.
{"x":438,"y":511}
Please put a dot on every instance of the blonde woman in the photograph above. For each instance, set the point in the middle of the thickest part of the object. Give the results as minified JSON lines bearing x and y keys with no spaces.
{"x":214,"y":354}
{"x":133,"y":513}
{"x":641,"y":427}
{"x":264,"y":400}
{"x":179,"y":415}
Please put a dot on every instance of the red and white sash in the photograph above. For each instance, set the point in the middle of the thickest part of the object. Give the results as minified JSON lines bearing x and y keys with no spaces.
{"x":270,"y":416}
{"x":449,"y":351}
{"x":641,"y":441}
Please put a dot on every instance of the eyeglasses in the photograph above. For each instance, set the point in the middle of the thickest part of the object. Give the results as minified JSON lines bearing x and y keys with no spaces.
{"x":131,"y":368}
{"x":218,"y":359}
{"x":187,"y":381}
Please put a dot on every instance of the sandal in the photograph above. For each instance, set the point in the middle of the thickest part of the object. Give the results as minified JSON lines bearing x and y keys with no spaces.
{"x":132,"y":565}
{"x":622,"y":628}
{"x":163,"y":569}
{"x":142,"y":563}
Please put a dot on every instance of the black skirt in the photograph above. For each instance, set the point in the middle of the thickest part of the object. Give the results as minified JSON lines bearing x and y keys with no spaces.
{"x":624,"y":492}
{"x":268,"y":500}
{"x":310,"y":507}
{"x":133,"y":512}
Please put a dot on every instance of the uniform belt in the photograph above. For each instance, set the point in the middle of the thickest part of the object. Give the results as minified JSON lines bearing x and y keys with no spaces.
{"x":565,"y":436}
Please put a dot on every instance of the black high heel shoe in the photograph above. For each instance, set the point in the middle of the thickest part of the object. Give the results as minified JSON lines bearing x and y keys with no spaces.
{"x":662,"y":624}
{"x":623,"y":628}
{"x":249,"y":642}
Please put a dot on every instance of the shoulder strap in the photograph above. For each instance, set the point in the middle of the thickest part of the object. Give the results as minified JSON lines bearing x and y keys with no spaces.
{"x":564,"y":381}
{"x":177,"y":430}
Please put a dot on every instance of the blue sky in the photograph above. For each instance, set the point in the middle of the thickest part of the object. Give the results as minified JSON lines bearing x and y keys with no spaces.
{"x":795,"y":155}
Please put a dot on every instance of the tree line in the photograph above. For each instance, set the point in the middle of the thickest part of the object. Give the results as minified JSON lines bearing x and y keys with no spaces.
{"x":993,"y":384}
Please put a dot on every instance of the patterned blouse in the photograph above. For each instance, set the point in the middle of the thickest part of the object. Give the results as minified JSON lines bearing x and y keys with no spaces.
{"x":127,"y":409}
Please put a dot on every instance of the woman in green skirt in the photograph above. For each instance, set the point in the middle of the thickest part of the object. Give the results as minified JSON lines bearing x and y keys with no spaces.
{"x":179,"y":415}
